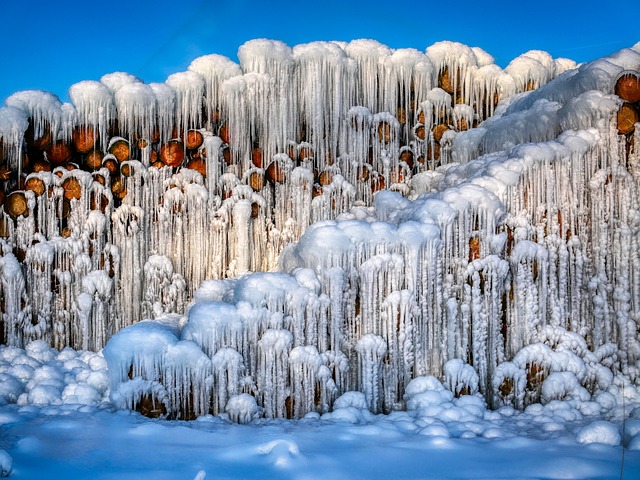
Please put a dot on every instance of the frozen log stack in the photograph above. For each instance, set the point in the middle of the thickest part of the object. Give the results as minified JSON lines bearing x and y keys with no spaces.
{"x":397,"y":224}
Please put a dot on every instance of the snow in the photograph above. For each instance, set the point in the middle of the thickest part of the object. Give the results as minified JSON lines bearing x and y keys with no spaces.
{"x":65,"y":436}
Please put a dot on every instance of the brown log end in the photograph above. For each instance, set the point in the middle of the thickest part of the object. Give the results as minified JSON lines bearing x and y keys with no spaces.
{"x":172,"y":153}
{"x":194,"y":139}
{"x":256,"y":156}
{"x":41,"y":166}
{"x":628,"y":87}
{"x":117,"y":188}
{"x":384,"y":132}
{"x":420,"y":132}
{"x":377,"y":183}
{"x":275,"y":173}
{"x":406,"y":156}
{"x":58,"y":153}
{"x":121,"y":150}
{"x":16,"y":205}
{"x":362,"y":173}
{"x":326,"y":177}
{"x":83,"y":138}
{"x":36,"y":185}
{"x":256,"y":181}
{"x":627,"y":118}
{"x":438,"y":131}
{"x":304,"y":153}
{"x":445,"y":81}
{"x":223,"y":133}
{"x":72,"y":188}
{"x":198,"y":165}
{"x":111,"y":164}
{"x":93,"y":160}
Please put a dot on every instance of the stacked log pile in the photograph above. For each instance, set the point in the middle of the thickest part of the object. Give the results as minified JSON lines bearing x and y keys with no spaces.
{"x":117,"y":207}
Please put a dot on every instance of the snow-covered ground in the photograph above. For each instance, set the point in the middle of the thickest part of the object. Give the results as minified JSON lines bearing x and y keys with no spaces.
{"x":63,"y":426}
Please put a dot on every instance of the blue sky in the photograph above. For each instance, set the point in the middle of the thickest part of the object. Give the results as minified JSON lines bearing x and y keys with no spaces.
{"x":54,"y":44}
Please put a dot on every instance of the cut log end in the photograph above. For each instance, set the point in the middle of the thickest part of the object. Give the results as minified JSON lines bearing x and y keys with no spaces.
{"x":58,"y":154}
{"x":72,"y":188}
{"x":83,"y":139}
{"x":36,"y":185}
{"x":256,"y":181}
{"x":194,"y":139}
{"x":172,"y":153}
{"x":628,"y":116}
{"x":16,"y":205}
{"x":275,"y":173}
{"x":121,"y":150}
{"x":628,"y":87}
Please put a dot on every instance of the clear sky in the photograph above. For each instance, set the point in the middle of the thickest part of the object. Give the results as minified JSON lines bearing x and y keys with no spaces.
{"x":51,"y":44}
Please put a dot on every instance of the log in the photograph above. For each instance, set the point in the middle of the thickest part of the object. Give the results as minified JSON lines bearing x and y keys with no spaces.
{"x":256,"y":156}
{"x":198,"y":165}
{"x":111,"y":164}
{"x":304,"y":153}
{"x":255,"y":210}
{"x":421,"y":117}
{"x":36,"y":185}
{"x":172,"y":153}
{"x":420,"y":132}
{"x":158,"y":164}
{"x":99,"y":178}
{"x":384,"y":132}
{"x":362,"y":173}
{"x":226,"y":155}
{"x":93,"y":160}
{"x":628,"y":116}
{"x":275,"y":172}
{"x":59,"y":153}
{"x":397,"y":175}
{"x":438,"y":130}
{"x":16,"y":205}
{"x":42,"y":142}
{"x":406,"y":156}
{"x":377,"y":183}
{"x":84,"y":139}
{"x":72,"y":188}
{"x":401,"y":115}
{"x":41,"y":166}
{"x":462,"y":125}
{"x":628,"y":87}
{"x":223,"y":133}
{"x":445,"y":80}
{"x":194,"y":139}
{"x":256,"y":181}
{"x":99,"y":202}
{"x":326,"y":177}
{"x":293,"y":152}
{"x":121,"y":150}
{"x":5,"y":173}
{"x":474,"y":249}
{"x":117,"y":188}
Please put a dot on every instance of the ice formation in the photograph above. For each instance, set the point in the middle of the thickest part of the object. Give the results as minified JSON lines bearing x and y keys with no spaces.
{"x":329,"y":218}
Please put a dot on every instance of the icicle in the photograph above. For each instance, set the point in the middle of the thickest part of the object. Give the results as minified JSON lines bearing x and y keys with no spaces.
{"x":371,"y":352}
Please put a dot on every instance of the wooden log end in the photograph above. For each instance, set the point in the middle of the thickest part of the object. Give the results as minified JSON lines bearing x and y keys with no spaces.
{"x":172,"y":153}
{"x":72,"y":188}
{"x":121,"y":150}
{"x":628,"y":87}
{"x":16,"y":205}
{"x":628,"y":116}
